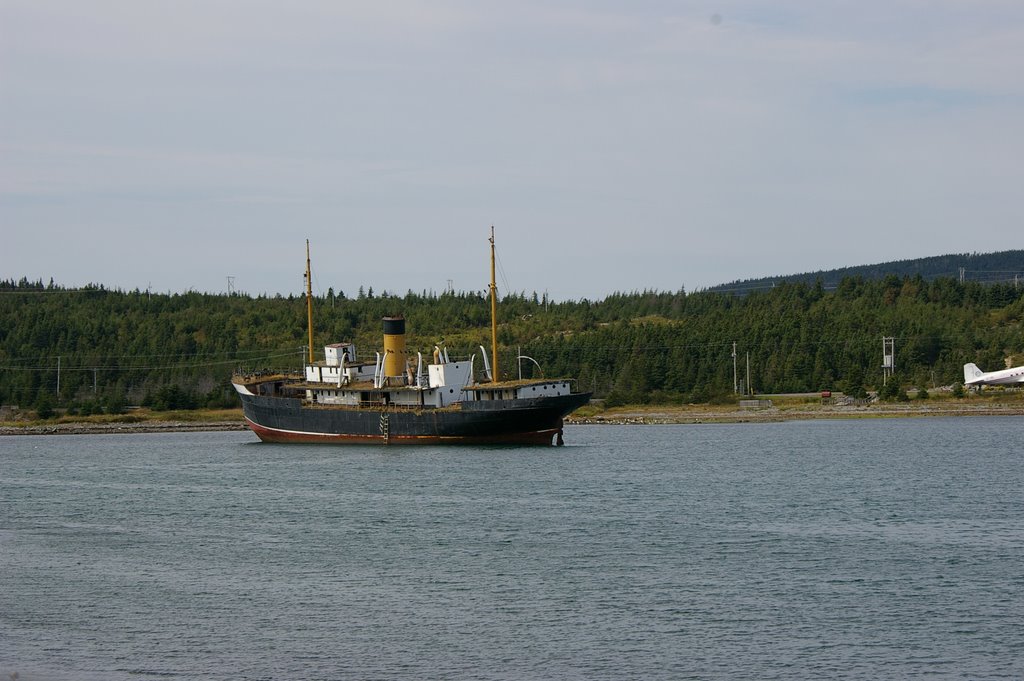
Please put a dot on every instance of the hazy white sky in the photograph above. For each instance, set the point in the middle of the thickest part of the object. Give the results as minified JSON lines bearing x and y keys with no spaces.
{"x":615,"y":146}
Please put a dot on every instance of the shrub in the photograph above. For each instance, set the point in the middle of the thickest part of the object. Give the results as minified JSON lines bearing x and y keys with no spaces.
{"x":615,"y":399}
{"x":116,"y":404}
{"x":856,"y":391}
{"x":170,"y":397}
{"x":892,"y":391}
{"x":44,"y":407}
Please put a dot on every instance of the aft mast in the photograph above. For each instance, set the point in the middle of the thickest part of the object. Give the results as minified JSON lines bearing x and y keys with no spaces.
{"x":309,"y":303}
{"x":494,"y":315}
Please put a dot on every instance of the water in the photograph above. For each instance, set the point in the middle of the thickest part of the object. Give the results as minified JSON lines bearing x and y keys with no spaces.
{"x":843,"y":549}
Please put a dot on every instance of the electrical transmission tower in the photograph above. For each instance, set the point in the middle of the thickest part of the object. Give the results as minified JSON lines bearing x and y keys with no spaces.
{"x":888,"y":358}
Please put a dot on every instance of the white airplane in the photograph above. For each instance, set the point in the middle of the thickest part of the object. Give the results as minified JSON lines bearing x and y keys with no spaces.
{"x":973,"y":376}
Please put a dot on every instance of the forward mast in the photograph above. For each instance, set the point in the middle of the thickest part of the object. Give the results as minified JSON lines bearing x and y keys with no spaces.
{"x":494,"y":315}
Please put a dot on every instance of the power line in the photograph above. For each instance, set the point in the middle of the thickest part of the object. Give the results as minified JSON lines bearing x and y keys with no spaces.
{"x":238,"y":354}
{"x":139,"y":367}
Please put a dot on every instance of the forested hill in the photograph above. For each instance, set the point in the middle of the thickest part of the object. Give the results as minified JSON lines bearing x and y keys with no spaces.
{"x":1004,"y":266}
{"x":97,"y":346}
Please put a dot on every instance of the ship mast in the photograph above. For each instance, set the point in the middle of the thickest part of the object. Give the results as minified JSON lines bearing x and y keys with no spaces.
{"x":494,"y":315}
{"x":309,"y":303}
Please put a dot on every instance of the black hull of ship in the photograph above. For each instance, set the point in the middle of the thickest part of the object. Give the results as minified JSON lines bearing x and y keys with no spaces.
{"x":520,"y":421}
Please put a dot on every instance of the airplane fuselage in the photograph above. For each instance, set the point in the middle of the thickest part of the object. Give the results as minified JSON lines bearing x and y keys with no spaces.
{"x":973,"y":376}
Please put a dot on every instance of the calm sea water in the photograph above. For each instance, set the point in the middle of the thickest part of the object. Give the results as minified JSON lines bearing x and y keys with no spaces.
{"x":841,"y":549}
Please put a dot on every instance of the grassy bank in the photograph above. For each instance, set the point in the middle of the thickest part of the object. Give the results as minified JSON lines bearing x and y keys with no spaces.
{"x":135,"y":420}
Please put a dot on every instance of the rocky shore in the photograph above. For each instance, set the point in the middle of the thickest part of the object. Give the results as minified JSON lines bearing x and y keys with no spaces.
{"x":88,"y":428}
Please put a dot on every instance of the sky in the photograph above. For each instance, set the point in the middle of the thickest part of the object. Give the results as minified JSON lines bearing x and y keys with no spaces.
{"x":614,"y":146}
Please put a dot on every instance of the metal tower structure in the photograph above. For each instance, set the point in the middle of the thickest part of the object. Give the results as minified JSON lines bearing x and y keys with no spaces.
{"x":888,"y":358}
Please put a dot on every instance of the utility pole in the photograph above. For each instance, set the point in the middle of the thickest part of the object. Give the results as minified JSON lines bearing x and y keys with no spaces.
{"x":94,"y":381}
{"x":750,"y":388}
{"x":735,"y":384}
{"x":58,"y":376}
{"x":962,"y":272}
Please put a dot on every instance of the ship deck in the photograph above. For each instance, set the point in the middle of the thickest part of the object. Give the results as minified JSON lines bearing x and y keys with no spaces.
{"x":296,"y":381}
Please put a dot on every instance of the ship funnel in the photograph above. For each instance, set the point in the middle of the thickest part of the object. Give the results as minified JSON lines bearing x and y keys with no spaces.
{"x":394,"y":346}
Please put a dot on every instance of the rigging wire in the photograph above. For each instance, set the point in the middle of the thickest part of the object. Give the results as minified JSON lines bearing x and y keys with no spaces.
{"x":501,"y":272}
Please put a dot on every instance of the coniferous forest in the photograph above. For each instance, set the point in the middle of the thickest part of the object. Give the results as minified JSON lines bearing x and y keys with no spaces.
{"x":101,"y":349}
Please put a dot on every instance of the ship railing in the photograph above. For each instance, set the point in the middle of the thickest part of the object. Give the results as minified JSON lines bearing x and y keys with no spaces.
{"x":265,"y":375}
{"x":380,"y":406}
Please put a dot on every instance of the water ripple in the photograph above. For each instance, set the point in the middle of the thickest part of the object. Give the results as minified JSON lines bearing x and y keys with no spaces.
{"x":775,"y":551}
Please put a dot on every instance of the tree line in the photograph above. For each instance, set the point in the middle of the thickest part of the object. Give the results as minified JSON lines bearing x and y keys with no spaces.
{"x":90,"y":347}
{"x":1002,"y":266}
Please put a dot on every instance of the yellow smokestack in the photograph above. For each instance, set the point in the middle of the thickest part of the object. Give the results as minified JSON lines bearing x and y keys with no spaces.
{"x":394,"y":346}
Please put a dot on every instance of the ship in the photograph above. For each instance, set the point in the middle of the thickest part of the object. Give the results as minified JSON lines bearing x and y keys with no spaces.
{"x":398,"y":398}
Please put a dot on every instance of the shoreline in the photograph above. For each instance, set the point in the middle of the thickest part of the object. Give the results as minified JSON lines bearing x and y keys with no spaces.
{"x":795,"y":412}
{"x":653,"y":415}
{"x":122,"y":427}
